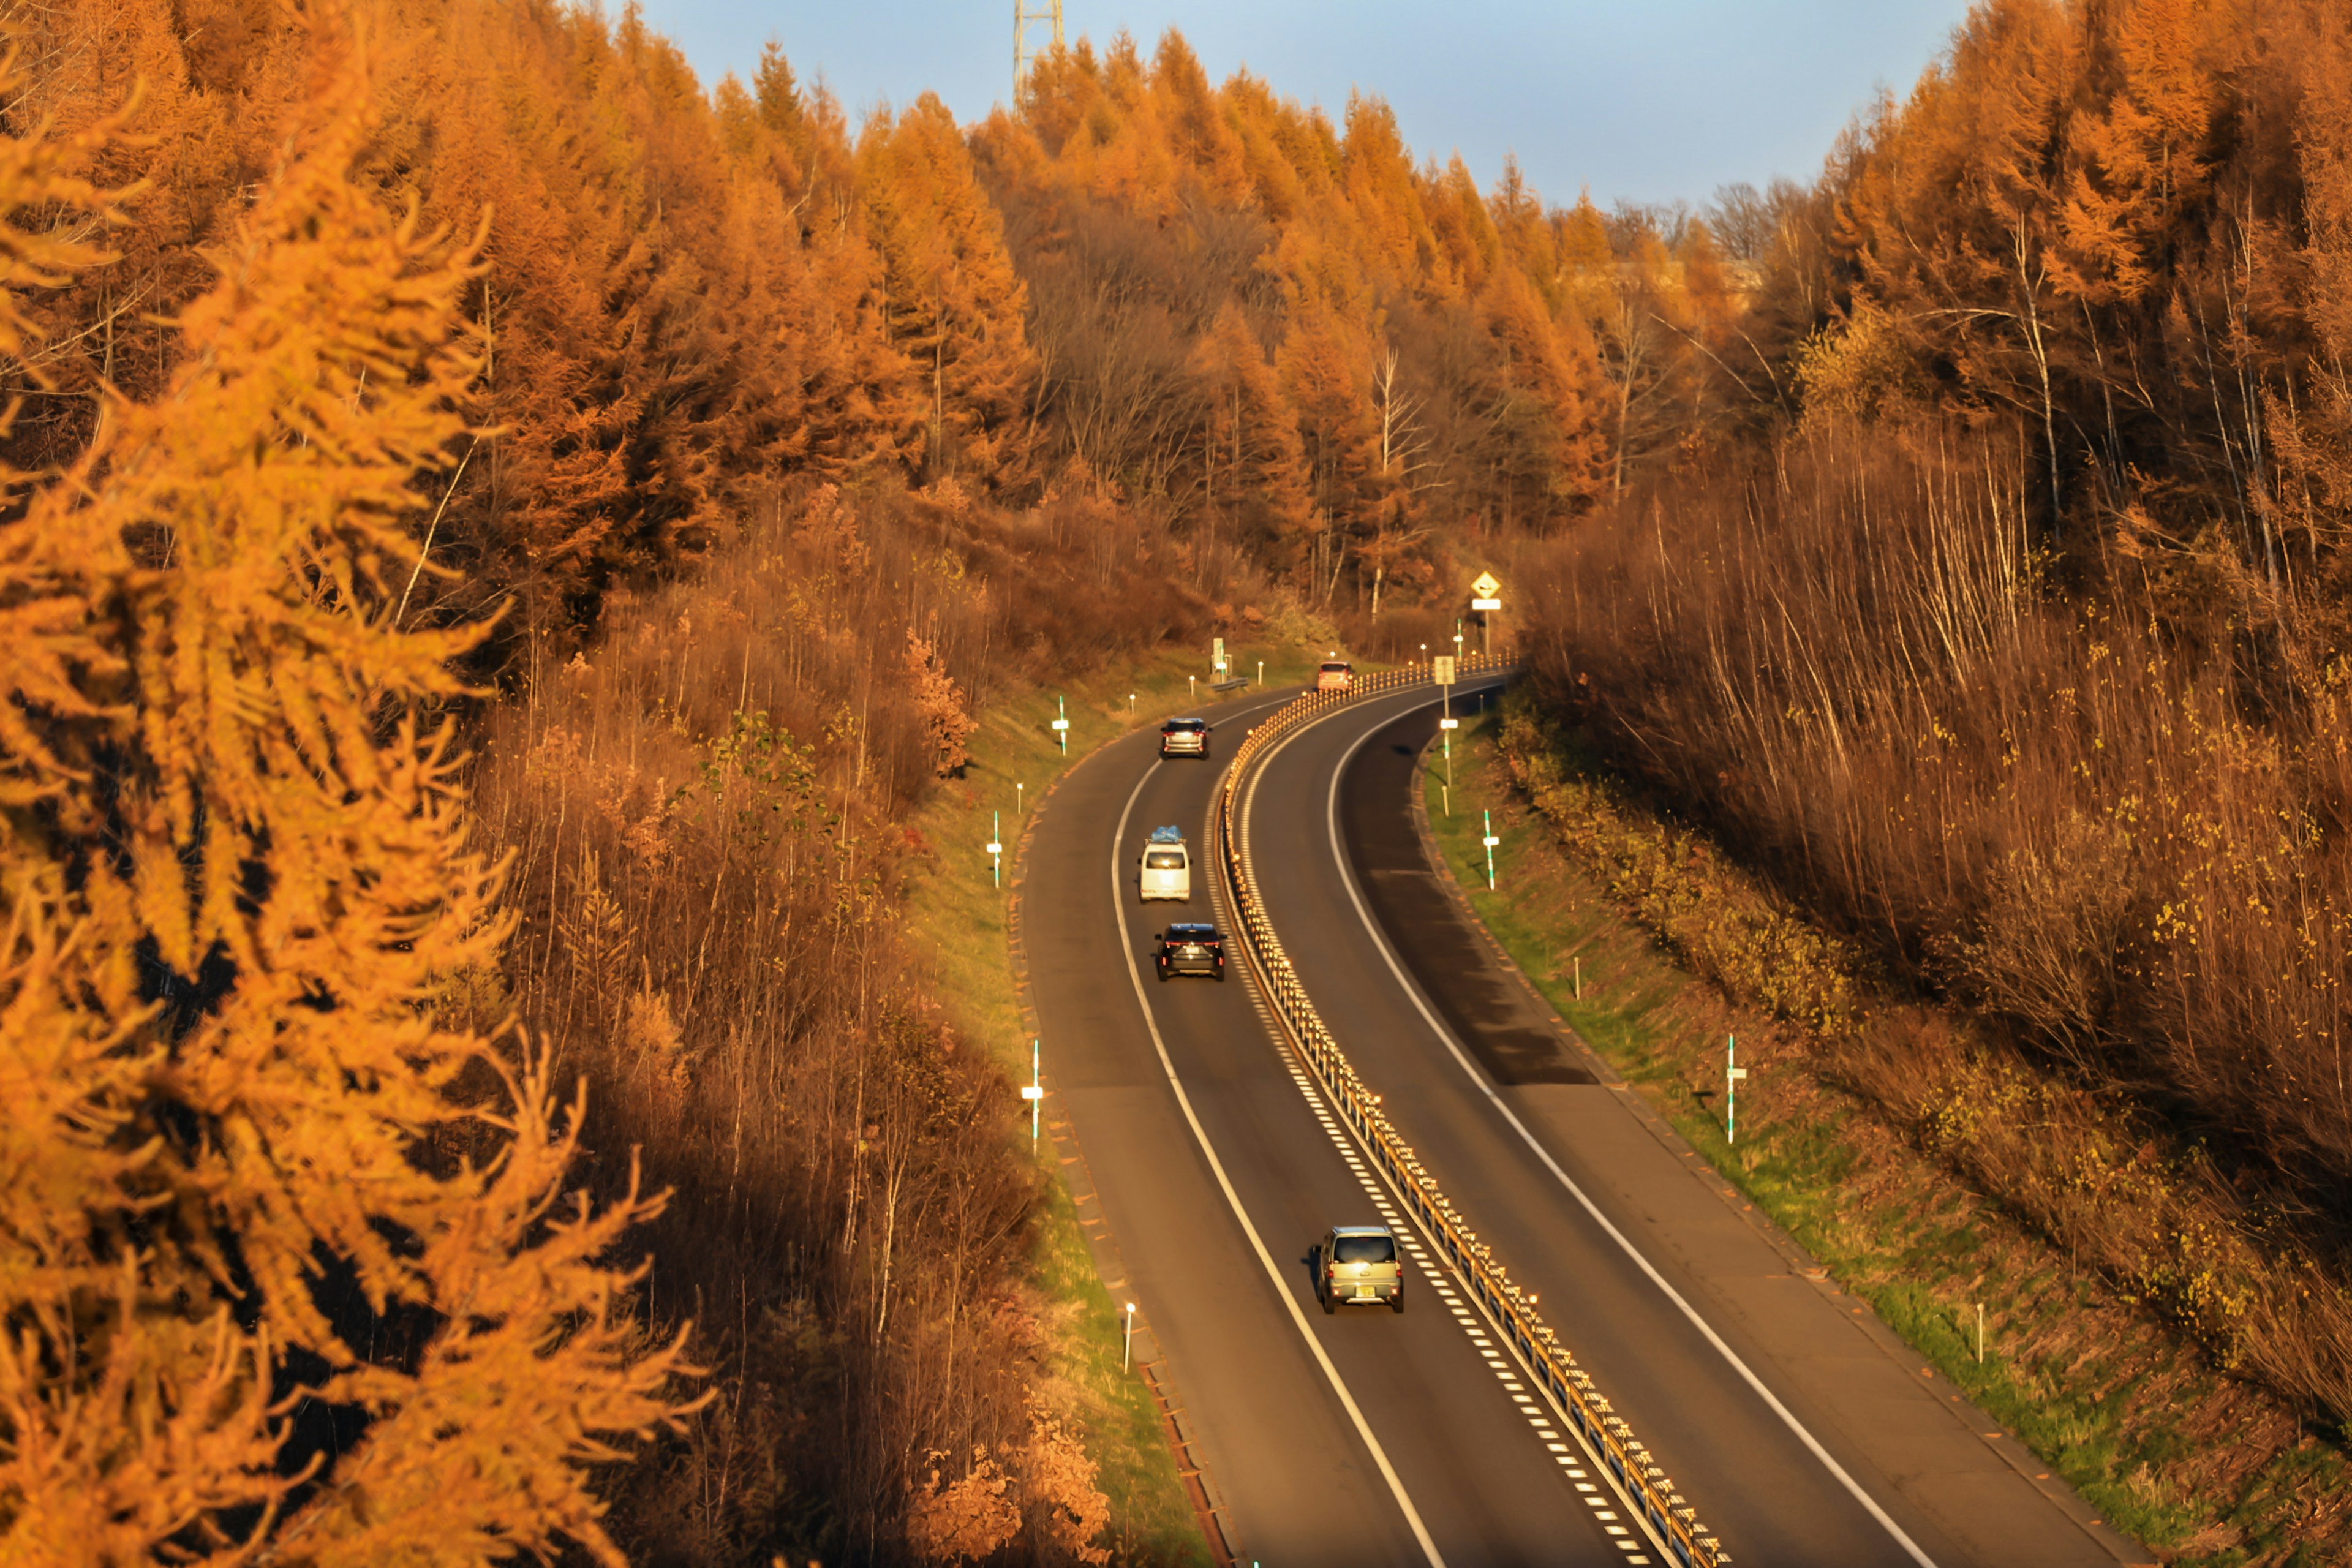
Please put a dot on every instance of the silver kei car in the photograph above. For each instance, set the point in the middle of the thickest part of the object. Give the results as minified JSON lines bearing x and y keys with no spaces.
{"x":1358,"y":1266}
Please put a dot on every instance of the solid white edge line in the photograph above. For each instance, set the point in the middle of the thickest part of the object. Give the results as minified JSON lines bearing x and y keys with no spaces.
{"x":1233,"y":1198}
{"x":1462,"y":1059}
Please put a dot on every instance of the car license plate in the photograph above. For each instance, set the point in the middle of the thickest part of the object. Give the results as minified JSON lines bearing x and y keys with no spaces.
{"x":1366,"y":1292}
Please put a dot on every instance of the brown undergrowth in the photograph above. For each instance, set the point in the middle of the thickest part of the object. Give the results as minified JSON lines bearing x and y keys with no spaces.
{"x":1933,"y":1171}
{"x":709,"y":820}
{"x":2107,"y":842}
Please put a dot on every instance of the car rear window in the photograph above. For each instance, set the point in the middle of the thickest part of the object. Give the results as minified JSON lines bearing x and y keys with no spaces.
{"x":1184,"y":726}
{"x":1336,"y":669}
{"x":1363,"y":1250}
{"x":1191,"y":934}
{"x":1164,"y":860}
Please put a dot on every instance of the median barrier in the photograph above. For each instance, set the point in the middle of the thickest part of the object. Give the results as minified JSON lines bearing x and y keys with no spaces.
{"x":1670,"y":1521}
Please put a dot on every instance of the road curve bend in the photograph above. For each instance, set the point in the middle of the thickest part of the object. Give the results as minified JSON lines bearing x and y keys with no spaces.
{"x":1218,"y":1155}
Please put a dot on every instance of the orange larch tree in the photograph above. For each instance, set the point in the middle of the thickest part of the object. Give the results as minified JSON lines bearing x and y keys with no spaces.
{"x":287,"y":1263}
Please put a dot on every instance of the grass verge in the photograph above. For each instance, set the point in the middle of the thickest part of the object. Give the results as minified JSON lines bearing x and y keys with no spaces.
{"x":2171,"y":1452}
{"x":961,"y":920}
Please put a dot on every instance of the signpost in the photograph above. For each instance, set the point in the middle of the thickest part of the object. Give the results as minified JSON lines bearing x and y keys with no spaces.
{"x":1062,"y":725}
{"x":1441,"y":671}
{"x":1484,"y":597}
{"x":996,"y":846}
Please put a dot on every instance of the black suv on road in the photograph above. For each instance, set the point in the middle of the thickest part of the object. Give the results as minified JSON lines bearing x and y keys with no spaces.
{"x":1191,"y":949}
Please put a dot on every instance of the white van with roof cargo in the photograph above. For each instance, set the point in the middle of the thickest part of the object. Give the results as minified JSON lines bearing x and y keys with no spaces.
{"x":1164,"y":871}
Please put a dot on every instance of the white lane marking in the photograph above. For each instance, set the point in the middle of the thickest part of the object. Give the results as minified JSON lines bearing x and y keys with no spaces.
{"x":1462,"y":1059}
{"x":1374,"y":1182}
{"x":1234,"y":1198}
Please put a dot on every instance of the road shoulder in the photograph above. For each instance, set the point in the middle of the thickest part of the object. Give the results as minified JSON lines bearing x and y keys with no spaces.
{"x":1945,"y":1456}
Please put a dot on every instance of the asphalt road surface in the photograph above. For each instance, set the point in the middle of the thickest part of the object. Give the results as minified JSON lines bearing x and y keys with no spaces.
{"x":1801,"y":1433}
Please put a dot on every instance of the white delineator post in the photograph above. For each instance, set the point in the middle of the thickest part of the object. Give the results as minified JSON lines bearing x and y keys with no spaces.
{"x":1491,"y":842}
{"x":1127,"y":1351}
{"x":1732,"y":1073}
{"x":1034,"y":1093}
{"x":996,"y":846}
{"x":1062,"y":725}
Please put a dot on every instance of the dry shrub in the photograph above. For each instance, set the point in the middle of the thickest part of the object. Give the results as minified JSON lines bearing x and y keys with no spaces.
{"x":706,"y":816}
{"x":2117,"y":845}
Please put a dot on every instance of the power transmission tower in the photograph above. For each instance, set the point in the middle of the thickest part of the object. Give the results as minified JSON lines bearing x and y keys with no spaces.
{"x":1025,"y":12}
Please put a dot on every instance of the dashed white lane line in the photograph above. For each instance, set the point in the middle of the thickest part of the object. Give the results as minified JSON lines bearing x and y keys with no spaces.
{"x":1505,"y":1372}
{"x":1539,"y":1420}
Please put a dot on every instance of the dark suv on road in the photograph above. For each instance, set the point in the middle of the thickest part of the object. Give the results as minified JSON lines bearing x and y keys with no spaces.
{"x":1191,"y":949}
{"x":1184,"y":738}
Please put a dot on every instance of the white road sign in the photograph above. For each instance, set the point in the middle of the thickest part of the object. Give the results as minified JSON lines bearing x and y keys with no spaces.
{"x":1441,"y":669}
{"x":1486,"y":587}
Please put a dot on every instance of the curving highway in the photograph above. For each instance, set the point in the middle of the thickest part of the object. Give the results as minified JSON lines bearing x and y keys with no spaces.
{"x":1802,"y":1434}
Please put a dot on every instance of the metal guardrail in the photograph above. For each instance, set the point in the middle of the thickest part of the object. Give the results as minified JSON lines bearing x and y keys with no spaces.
{"x":1671,"y":1521}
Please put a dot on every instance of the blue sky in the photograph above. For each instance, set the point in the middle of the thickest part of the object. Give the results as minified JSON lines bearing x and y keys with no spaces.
{"x":1637,"y":99}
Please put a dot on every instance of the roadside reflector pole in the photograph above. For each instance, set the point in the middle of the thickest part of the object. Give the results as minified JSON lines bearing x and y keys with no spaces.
{"x":1732,"y":1073}
{"x":996,"y":846}
{"x":1491,"y":842}
{"x":1034,"y":1094}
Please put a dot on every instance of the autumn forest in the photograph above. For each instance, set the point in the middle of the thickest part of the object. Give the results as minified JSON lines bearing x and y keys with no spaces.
{"x":501,"y":540}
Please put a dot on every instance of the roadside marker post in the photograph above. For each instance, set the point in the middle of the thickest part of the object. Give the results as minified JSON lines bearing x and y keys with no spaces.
{"x":1491,"y":842}
{"x":996,"y":846}
{"x":1062,"y":725}
{"x":1732,"y":1074}
{"x":1127,"y":1351}
{"x":1034,"y":1093}
{"x":1441,"y":671}
{"x":1261,"y":672}
{"x":1019,"y":795}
